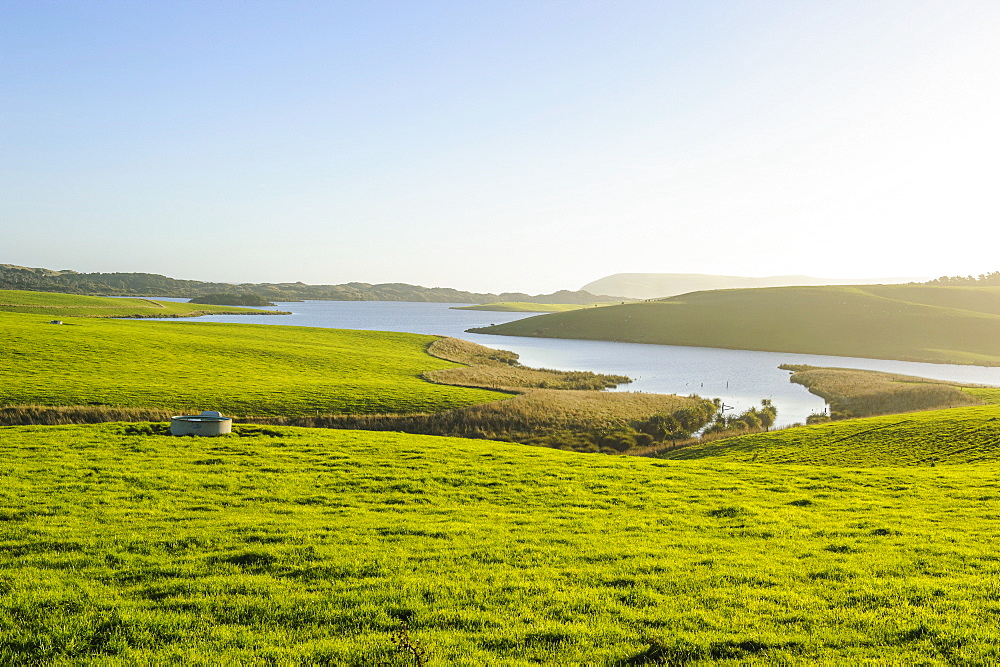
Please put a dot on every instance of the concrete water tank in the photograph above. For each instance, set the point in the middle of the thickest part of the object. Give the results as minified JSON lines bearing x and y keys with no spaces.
{"x":208,"y":423}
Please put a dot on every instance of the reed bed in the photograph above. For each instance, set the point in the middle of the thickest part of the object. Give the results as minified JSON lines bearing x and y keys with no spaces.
{"x":54,"y":415}
{"x":524,"y":418}
{"x":486,"y":368}
{"x":502,"y":378}
{"x":858,"y":393}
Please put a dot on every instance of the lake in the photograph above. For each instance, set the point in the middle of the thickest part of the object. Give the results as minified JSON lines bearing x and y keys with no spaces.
{"x":741,"y":378}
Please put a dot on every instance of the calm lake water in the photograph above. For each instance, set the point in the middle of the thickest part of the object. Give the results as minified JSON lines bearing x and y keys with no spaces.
{"x":741,"y":378}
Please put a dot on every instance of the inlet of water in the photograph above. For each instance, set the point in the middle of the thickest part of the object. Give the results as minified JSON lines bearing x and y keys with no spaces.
{"x":740,"y":378}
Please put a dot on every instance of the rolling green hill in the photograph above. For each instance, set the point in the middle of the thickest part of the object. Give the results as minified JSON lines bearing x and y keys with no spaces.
{"x":95,"y":370}
{"x":956,"y":435}
{"x":943,"y":324}
{"x":662,"y":285}
{"x":304,"y":546}
{"x":240,"y":369}
{"x":53,"y":305}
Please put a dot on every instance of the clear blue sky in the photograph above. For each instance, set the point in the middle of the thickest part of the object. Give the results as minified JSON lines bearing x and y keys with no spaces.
{"x":515,"y":145}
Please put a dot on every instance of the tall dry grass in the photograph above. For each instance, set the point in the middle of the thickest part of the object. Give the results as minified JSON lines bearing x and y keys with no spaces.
{"x":858,"y":393}
{"x":53,"y":415}
{"x":499,"y":369}
{"x":518,"y":419}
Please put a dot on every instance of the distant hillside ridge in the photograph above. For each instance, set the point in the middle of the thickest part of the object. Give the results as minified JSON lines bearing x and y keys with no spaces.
{"x":59,"y":304}
{"x":662,"y":285}
{"x":15,"y":277}
{"x":932,"y":323}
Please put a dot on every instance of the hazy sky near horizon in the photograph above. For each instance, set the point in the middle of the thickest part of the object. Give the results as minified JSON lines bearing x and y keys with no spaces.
{"x":493,"y":146}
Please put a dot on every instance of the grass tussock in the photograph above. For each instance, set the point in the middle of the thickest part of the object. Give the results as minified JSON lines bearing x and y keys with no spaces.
{"x":859,"y":393}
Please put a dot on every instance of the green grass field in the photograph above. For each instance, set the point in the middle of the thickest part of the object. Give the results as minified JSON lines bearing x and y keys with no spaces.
{"x":56,"y":306}
{"x":956,"y":435}
{"x":313,"y":547}
{"x":858,"y":541}
{"x":523,"y":307}
{"x":240,"y":369}
{"x":943,"y":324}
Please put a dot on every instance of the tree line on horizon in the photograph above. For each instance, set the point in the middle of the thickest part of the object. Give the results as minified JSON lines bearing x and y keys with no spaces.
{"x":992,"y":278}
{"x":14,"y":277}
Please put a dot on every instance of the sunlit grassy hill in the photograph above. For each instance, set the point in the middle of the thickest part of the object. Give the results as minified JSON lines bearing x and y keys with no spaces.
{"x":944,"y":324}
{"x":523,"y":307}
{"x":662,"y":285}
{"x":240,"y":369}
{"x":305,"y":546}
{"x":51,"y":305}
{"x":956,"y":435}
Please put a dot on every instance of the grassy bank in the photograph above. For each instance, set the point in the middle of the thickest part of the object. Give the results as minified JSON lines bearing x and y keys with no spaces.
{"x":859,"y":393}
{"x":487,"y":368}
{"x":958,"y":435}
{"x":303,"y":546}
{"x":943,"y":324}
{"x":240,"y":369}
{"x":58,"y":306}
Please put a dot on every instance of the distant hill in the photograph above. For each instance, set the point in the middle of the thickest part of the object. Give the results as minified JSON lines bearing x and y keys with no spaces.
{"x":942,"y":324}
{"x":59,"y":304}
{"x":661,"y":285}
{"x":150,"y":284}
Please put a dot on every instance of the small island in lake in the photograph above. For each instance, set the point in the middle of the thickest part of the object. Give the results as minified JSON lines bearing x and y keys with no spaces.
{"x":523,"y":307}
{"x":230,"y":299}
